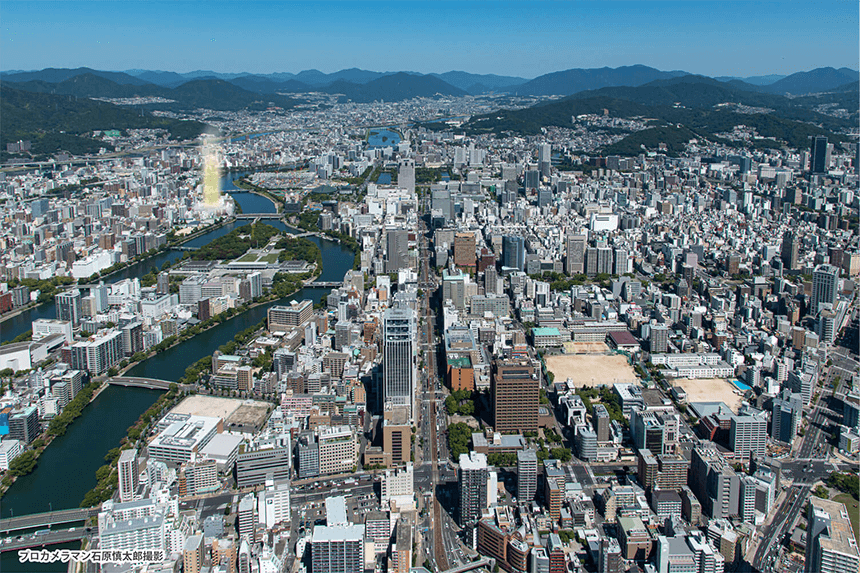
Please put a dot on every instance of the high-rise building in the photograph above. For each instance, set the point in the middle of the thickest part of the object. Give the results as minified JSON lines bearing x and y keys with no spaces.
{"x":246,"y":519}
{"x":825,"y":281}
{"x":397,"y":246}
{"x":515,"y":395}
{"x":602,"y":422}
{"x":790,"y":251}
{"x":830,"y":544}
{"x":526,"y":475}
{"x":192,"y":556}
{"x":472,"y":478}
{"x":465,"y":254}
{"x":97,"y":354}
{"x":785,"y":416}
{"x":658,"y":339}
{"x":609,"y":559}
{"x":531,"y":181}
{"x":406,"y":175}
{"x":399,"y":374}
{"x":127,"y":471}
{"x":574,"y":262}
{"x":69,"y":306}
{"x":338,"y":450}
{"x":337,"y":549}
{"x":714,"y":482}
{"x":513,"y":252}
{"x":748,"y":436}
{"x":274,"y":503}
{"x":820,"y":155}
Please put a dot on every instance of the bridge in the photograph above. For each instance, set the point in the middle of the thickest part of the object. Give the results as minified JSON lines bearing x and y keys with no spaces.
{"x":324,"y":284}
{"x":184,"y":248}
{"x":46,"y":519}
{"x":260,"y":216}
{"x":482,"y":562}
{"x":151,"y":383}
{"x":51,"y":538}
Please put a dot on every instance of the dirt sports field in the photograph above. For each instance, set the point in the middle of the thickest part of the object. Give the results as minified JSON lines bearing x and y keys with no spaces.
{"x":591,"y":369}
{"x":709,"y":390}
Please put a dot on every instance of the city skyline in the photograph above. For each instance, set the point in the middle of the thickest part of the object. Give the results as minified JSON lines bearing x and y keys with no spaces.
{"x":266,"y":37}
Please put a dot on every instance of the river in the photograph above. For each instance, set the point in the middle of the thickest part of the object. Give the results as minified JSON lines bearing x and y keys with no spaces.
{"x":250,"y":203}
{"x":66,"y":470}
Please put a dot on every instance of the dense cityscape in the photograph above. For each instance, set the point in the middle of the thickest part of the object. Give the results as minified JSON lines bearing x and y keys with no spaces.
{"x":366,"y":336}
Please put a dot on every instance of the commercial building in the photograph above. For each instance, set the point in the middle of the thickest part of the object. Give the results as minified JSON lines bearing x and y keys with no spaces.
{"x":261,"y":460}
{"x":182,"y":437}
{"x":338,"y":449}
{"x":515,"y":395}
{"x":825,"y":281}
{"x":400,"y":357}
{"x":274,"y":503}
{"x":286,"y":318}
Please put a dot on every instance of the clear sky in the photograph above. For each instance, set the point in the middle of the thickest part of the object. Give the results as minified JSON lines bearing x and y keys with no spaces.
{"x":526,"y":39}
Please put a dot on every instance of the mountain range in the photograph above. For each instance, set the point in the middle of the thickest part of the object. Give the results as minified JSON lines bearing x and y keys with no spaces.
{"x":679,"y":106}
{"x":364,"y":86}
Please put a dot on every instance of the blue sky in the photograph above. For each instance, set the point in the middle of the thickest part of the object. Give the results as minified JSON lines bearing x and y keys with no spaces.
{"x":508,"y":38}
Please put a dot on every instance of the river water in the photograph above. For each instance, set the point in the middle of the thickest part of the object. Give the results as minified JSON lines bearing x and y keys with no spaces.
{"x":66,"y":470}
{"x":250,"y":203}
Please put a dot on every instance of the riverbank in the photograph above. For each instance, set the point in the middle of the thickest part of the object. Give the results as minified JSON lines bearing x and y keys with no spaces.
{"x":148,"y":255}
{"x":246,"y":185}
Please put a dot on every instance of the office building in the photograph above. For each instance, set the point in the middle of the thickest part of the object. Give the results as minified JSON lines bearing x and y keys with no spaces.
{"x":69,"y":306}
{"x":338,"y":450}
{"x":658,"y":339}
{"x":825,"y":281}
{"x":513,"y":252}
{"x":127,"y":471}
{"x":400,"y":357}
{"x":273,"y":505}
{"x":714,"y":482}
{"x":465,"y":250}
{"x":472,"y":478}
{"x":819,"y":160}
{"x":262,"y":460}
{"x":246,"y":518}
{"x":748,"y":436}
{"x":790,"y":252}
{"x":515,"y":395}
{"x":574,"y":262}
{"x":286,"y":318}
{"x":406,"y":175}
{"x":182,"y":435}
{"x":527,"y":472}
{"x":398,"y":486}
{"x":308,"y":455}
{"x":785,"y":416}
{"x":830,"y":543}
{"x":397,"y":249}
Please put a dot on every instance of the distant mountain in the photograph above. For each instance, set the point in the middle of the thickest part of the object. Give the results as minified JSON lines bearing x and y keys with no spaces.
{"x":201,"y":93}
{"x":56,"y":75}
{"x":166,"y":79}
{"x":754,"y":80}
{"x":395,"y":87}
{"x":224,"y":96}
{"x":692,"y":102}
{"x":471,"y":83}
{"x":576,"y":80}
{"x":62,"y":122}
{"x":814,"y":81}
